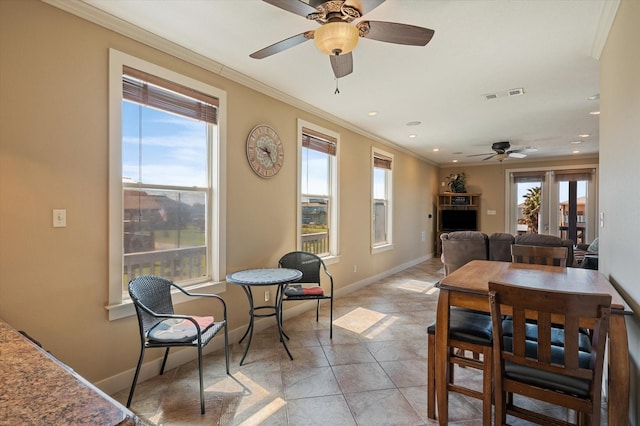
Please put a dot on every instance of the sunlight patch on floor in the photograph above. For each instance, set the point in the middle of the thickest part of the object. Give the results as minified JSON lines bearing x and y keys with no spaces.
{"x":265,"y":412}
{"x":417,"y":286}
{"x":361,"y":320}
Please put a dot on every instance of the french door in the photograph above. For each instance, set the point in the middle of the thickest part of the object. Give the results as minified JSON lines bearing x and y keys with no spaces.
{"x":567,"y":199}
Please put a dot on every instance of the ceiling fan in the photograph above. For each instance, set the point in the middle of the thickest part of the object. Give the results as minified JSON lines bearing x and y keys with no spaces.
{"x":502,"y":151}
{"x":337,"y":36}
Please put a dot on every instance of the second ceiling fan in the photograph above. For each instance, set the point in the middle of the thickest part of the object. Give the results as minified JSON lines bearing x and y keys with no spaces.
{"x":337,"y":36}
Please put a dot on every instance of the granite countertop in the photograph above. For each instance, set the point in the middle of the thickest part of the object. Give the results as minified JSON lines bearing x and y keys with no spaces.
{"x":36,"y":388}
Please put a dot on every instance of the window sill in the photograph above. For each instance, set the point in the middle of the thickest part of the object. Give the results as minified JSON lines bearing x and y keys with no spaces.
{"x":330,"y":260}
{"x":126,"y":309}
{"x":381,"y":248}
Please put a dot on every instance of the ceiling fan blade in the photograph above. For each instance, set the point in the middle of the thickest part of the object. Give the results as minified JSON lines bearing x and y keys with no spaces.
{"x":364,"y":6}
{"x":282,"y":45}
{"x":342,"y":64}
{"x":393,"y":32}
{"x":489,"y":157}
{"x":294,"y":6}
{"x":478,"y":155}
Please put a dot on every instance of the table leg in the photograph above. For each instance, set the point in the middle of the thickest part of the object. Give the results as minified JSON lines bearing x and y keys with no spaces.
{"x":618,"y":395}
{"x":279,"y":296}
{"x":442,"y":357}
{"x":249,"y":330}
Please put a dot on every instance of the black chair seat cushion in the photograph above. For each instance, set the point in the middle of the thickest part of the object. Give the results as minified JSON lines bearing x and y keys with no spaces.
{"x":545,"y":379}
{"x":557,"y":334}
{"x":178,"y":329}
{"x":468,"y":326}
{"x":297,"y":291}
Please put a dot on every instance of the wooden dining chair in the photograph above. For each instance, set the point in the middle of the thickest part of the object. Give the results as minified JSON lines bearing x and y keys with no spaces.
{"x":540,"y":255}
{"x":469,"y":344}
{"x":569,"y":375}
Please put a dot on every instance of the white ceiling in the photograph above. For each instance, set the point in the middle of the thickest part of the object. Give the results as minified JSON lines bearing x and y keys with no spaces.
{"x":548,"y":48}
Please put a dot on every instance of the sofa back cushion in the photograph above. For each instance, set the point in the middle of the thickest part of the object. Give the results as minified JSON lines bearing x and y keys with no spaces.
{"x":500,"y":246}
{"x":461,"y":247}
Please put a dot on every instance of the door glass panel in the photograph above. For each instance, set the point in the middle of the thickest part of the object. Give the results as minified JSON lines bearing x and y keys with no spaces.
{"x":529,"y":197}
{"x":573,"y":205}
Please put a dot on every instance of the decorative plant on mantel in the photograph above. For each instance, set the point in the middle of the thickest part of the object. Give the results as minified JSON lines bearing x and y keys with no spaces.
{"x":531,"y":208}
{"x":457,"y":182}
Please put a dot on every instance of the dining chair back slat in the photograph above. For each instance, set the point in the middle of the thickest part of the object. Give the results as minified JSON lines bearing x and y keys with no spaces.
{"x":540,"y":255}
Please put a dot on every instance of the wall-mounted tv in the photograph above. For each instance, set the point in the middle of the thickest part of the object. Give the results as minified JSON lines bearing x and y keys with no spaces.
{"x":459,"y":220}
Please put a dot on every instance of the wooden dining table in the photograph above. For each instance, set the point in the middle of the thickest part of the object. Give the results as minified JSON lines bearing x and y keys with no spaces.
{"x":468,"y":287}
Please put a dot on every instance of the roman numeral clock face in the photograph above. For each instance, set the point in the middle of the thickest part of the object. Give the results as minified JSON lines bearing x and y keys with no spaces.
{"x":265,"y":151}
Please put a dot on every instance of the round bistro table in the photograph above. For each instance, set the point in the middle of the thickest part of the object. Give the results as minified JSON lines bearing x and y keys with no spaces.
{"x":264,"y":277}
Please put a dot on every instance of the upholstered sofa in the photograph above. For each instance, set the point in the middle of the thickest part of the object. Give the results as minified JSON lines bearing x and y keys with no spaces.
{"x":461,"y":247}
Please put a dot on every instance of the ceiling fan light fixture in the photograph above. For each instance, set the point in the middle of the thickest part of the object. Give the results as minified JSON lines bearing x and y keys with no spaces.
{"x":336,"y":38}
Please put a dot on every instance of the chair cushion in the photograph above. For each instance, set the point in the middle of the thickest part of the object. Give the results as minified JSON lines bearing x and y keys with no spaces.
{"x":557,"y":334}
{"x":468,"y":326}
{"x":178,"y":329}
{"x":297,"y":290}
{"x":546,"y":379}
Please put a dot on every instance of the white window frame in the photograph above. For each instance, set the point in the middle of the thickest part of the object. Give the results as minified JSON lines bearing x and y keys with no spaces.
{"x":388,"y":244}
{"x":334,"y":228}
{"x":549,"y":210}
{"x":120,"y":305}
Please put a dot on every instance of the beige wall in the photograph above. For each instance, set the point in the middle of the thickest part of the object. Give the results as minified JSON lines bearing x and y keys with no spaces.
{"x":488,"y":180}
{"x":53,"y":154}
{"x":619,"y":154}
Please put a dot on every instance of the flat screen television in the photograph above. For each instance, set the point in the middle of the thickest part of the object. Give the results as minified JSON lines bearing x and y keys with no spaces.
{"x":459,"y":220}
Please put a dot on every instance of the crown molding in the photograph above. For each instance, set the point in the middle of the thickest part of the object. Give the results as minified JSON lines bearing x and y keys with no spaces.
{"x":92,"y":14}
{"x":607,"y":16}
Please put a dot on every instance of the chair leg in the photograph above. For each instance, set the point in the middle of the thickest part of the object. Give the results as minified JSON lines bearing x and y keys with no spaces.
{"x":317,"y":310}
{"x":331,"y":318}
{"x":135,"y":376}
{"x":164,"y":361}
{"x":201,"y":380}
{"x":487,"y":385}
{"x":431,"y":376}
{"x":226,"y":346}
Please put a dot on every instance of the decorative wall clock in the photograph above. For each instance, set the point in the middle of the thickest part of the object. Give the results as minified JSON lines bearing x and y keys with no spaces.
{"x":265,"y":151}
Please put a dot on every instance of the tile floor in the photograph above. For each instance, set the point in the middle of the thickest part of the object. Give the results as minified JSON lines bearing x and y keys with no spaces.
{"x":373,"y":371}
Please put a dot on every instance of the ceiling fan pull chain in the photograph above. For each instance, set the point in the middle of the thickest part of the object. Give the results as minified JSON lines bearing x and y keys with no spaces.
{"x":337,"y":92}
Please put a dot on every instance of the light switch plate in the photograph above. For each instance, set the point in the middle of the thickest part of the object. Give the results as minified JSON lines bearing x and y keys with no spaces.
{"x":59,"y":218}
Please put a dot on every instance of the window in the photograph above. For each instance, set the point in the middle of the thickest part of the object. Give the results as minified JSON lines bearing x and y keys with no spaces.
{"x":318,"y":230}
{"x":381,"y":200}
{"x":566,"y":198}
{"x":165,"y":178}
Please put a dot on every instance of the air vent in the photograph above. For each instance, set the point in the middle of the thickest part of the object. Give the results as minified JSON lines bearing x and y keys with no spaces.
{"x":504,"y":93}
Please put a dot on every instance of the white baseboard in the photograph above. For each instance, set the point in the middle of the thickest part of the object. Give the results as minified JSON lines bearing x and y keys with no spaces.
{"x":150,"y":369}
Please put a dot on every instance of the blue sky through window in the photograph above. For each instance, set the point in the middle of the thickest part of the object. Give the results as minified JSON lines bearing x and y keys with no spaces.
{"x":174,"y":148}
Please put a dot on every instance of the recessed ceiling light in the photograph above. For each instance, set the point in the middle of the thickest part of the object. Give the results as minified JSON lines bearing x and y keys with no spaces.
{"x":595,"y":113}
{"x":372,"y":113}
{"x":584,"y":135}
{"x":413,"y":135}
{"x":436,"y":149}
{"x":594,"y":97}
{"x":575,"y":151}
{"x":455,"y":161}
{"x":576,"y":142}
{"x":414,"y":123}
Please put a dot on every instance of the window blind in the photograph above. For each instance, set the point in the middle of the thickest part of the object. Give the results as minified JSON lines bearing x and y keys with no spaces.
{"x":382,"y":162}
{"x":574,"y":175}
{"x":156,"y":92}
{"x":319,"y":142}
{"x":523,"y":177}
